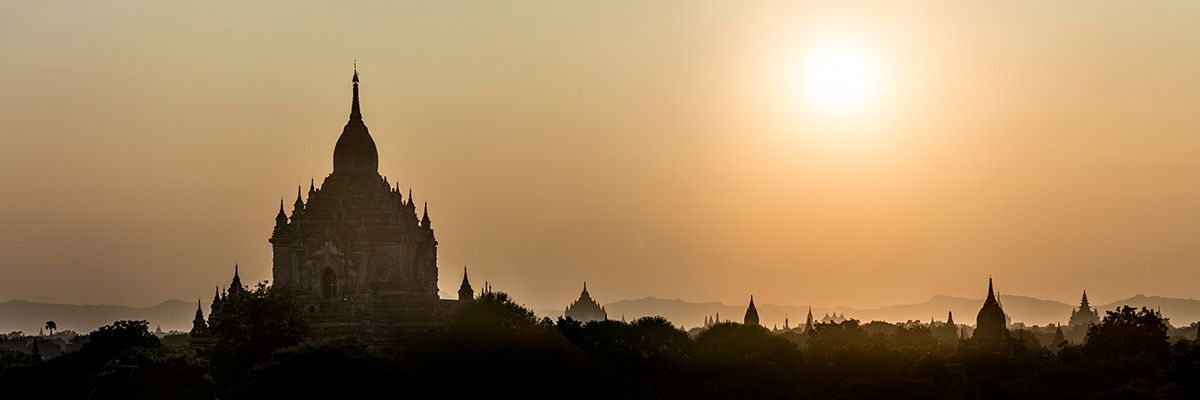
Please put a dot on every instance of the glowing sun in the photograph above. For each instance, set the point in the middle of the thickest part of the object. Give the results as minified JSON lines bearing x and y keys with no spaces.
{"x":838,"y":79}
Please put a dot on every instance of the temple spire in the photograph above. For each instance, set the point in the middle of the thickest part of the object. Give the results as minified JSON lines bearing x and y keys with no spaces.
{"x":465,"y":292}
{"x":236,"y":285}
{"x":751,"y":317}
{"x":355,"y":114}
{"x":425,"y":218}
{"x":991,"y":294}
{"x":198,"y":324}
{"x":281,"y":219}
{"x":299,"y":205}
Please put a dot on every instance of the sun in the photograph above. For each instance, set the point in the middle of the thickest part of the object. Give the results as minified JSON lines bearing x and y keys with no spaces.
{"x":838,"y":78}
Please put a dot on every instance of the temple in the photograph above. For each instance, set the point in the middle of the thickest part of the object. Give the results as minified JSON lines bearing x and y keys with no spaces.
{"x":198,"y":323}
{"x":751,"y":317}
{"x":808,"y":321}
{"x":833,"y":319}
{"x":991,"y":325}
{"x":585,"y":309}
{"x":359,"y":257}
{"x":1085,"y":315}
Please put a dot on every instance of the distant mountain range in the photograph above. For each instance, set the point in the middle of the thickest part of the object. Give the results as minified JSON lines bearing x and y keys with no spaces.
{"x":27,"y":316}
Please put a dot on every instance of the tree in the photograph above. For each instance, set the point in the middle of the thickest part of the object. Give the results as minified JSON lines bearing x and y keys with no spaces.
{"x":647,"y":345}
{"x":121,"y":336}
{"x":338,"y":368}
{"x":157,"y":373}
{"x":499,"y":346}
{"x":747,"y":361}
{"x":828,"y":337}
{"x":51,"y":326}
{"x":1126,"y":331}
{"x":248,"y":326}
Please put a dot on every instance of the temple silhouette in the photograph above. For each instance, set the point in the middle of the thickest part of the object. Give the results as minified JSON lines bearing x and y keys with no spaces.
{"x":585,"y":309}
{"x":360,"y":259}
{"x":1085,"y":315}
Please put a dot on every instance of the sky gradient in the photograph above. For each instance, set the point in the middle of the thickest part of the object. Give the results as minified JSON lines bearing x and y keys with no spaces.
{"x":649,"y":148}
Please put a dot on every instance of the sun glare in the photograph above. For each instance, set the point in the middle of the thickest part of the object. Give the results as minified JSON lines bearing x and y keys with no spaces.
{"x":838,"y":79}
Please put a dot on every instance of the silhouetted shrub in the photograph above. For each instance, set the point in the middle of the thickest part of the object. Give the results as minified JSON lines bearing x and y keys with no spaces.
{"x":1126,"y":331}
{"x":328,"y":369}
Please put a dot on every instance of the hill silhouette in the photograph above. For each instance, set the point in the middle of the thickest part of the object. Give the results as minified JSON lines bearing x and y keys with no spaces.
{"x":28,"y":316}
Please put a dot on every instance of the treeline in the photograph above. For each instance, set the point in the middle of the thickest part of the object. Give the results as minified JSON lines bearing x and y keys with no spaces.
{"x":495,"y":347}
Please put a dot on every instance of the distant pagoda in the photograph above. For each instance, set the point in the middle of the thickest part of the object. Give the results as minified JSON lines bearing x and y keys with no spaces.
{"x":586,"y":309}
{"x":1085,"y":315}
{"x":991,"y":325}
{"x":751,"y":317}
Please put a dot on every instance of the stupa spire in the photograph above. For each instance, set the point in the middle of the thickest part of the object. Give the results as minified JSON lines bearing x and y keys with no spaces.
{"x":425,"y":217}
{"x":991,"y":294}
{"x":299,"y":204}
{"x":355,"y":114}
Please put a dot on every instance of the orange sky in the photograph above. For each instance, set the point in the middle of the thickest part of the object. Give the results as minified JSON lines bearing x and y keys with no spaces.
{"x":650,"y":148}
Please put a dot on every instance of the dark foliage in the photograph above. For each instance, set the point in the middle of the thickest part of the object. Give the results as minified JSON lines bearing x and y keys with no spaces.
{"x":248,"y":326}
{"x":1129,"y":332}
{"x":500,"y":348}
{"x":153,"y":373}
{"x":495,"y":347}
{"x":119,"y":361}
{"x":329,"y":369}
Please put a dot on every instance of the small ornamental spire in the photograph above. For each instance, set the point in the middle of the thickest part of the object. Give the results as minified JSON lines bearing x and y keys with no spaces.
{"x":281,"y":218}
{"x":425,"y":218}
{"x":198,"y":324}
{"x":355,"y":114}
{"x":299,"y":198}
{"x":312,"y":188}
{"x":465,"y":292}
{"x":236,"y":285}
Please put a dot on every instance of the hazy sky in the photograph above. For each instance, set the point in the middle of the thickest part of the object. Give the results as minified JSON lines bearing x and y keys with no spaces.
{"x":665,"y":148}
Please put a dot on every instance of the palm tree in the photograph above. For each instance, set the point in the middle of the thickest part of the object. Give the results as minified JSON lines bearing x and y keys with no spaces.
{"x":51,"y":326}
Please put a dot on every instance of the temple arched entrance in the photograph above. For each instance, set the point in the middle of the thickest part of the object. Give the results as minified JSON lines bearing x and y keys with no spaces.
{"x":329,"y":284}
